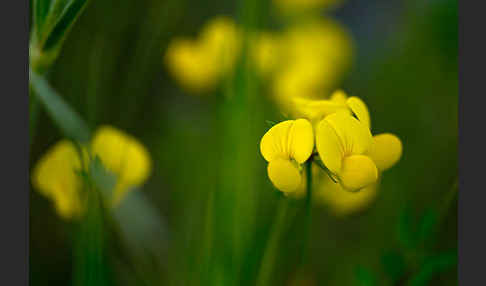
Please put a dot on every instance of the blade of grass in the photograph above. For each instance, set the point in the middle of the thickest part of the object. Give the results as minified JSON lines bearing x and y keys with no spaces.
{"x":68,"y":120}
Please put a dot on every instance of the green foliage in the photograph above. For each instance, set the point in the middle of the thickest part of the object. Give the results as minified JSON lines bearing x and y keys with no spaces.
{"x":52,"y":21}
{"x":394,"y":265}
{"x":433,"y":266}
{"x":364,"y":277}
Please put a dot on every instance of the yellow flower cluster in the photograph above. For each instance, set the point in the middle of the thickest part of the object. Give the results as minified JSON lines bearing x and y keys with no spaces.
{"x":339,"y":128}
{"x":290,"y":5}
{"x":56,"y":174}
{"x":305,"y":60}
{"x":200,"y":64}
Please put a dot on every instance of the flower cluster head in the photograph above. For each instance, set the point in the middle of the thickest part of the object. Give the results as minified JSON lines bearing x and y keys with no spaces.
{"x":57,"y":174}
{"x":200,"y":64}
{"x":346,"y":149}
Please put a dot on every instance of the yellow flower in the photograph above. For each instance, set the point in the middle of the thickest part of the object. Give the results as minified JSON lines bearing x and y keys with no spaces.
{"x":312,"y":59}
{"x":386,"y":150}
{"x":56,"y":173}
{"x":200,"y":64}
{"x":342,"y":142}
{"x":54,"y":176}
{"x":122,"y":155}
{"x":316,"y":110}
{"x":286,"y":146}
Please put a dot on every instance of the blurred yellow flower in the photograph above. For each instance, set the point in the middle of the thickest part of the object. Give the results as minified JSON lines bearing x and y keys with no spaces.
{"x":342,"y":142}
{"x":266,"y":52}
{"x":122,"y":155}
{"x":54,"y":176}
{"x":56,"y":173}
{"x":200,"y":64}
{"x":313,"y":57}
{"x":286,"y":146}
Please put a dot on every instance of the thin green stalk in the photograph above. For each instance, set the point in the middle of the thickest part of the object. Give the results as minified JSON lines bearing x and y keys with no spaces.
{"x":270,"y":254}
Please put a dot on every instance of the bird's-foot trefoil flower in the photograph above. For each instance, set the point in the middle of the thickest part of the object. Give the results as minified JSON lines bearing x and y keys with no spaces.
{"x":58,"y":173}
{"x":286,"y":146}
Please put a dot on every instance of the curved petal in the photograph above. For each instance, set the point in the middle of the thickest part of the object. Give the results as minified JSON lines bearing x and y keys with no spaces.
{"x":301,"y":140}
{"x":360,"y":109}
{"x":284,"y":175}
{"x":354,"y":136}
{"x":329,"y":146}
{"x":385,"y":151}
{"x":339,"y":96}
{"x":274,"y":143}
{"x":122,"y":154}
{"x":358,"y":171}
{"x":315,"y":110}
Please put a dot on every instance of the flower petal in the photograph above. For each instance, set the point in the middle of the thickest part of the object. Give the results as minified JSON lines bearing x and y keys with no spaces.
{"x":360,"y":109}
{"x":385,"y":151}
{"x":122,"y":154}
{"x":358,"y":171}
{"x":284,"y":175}
{"x":316,"y":110}
{"x":329,"y":146}
{"x":354,"y":136}
{"x":301,"y":140}
{"x":274,"y":143}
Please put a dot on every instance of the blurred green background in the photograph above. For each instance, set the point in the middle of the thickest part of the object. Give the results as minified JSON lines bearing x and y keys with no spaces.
{"x":209,"y":186}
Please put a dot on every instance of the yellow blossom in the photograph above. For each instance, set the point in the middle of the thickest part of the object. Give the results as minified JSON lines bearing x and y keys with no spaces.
{"x":54,"y":176}
{"x":286,"y":146}
{"x":57,"y":173}
{"x":200,"y":64}
{"x":122,"y":155}
{"x":265,"y":52}
{"x":313,"y":57}
{"x":342,"y":142}
{"x":316,"y":110}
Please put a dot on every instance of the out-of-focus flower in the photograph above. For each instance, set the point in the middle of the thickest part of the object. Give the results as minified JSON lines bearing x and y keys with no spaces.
{"x":57,"y":173}
{"x":313,"y":58}
{"x":292,"y":5}
{"x":200,"y":64}
{"x":286,"y":146}
{"x":124,"y":156}
{"x":55,"y":176}
{"x":341,"y":202}
{"x":342,"y":142}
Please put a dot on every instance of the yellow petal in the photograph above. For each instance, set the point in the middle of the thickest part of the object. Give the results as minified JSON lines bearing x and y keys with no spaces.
{"x":354,"y":136}
{"x":123,"y":155}
{"x":339,"y":96}
{"x":274,"y":143}
{"x":284,"y":175}
{"x":315,"y":110}
{"x":190,"y":66}
{"x":55,"y":177}
{"x":301,"y":140}
{"x":358,"y":171}
{"x":385,"y":151}
{"x":329,"y":146}
{"x":359,"y":108}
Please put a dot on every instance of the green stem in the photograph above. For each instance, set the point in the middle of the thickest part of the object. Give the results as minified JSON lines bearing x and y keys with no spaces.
{"x":270,"y":254}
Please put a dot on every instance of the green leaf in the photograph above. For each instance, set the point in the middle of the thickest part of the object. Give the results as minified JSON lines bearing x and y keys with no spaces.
{"x":41,"y":8}
{"x":433,"y":266}
{"x":394,"y":265}
{"x":71,"y":12}
{"x":364,"y":277}
{"x":68,"y":120}
{"x":406,"y":234}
